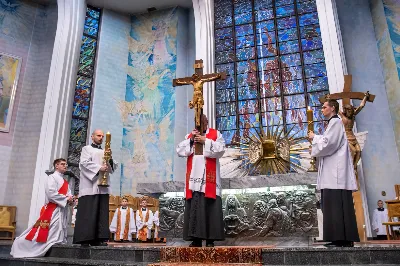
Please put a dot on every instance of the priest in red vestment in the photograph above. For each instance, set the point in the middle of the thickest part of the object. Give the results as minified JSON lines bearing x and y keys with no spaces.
{"x":203,"y":218}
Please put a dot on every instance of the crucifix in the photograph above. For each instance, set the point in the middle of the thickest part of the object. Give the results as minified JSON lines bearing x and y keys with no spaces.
{"x":197,"y":80}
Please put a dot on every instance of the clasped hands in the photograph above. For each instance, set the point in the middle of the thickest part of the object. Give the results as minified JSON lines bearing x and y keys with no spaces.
{"x":70,"y":200}
{"x":197,"y":137}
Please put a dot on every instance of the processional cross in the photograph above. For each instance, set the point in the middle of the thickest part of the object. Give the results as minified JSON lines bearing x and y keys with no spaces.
{"x":197,"y":80}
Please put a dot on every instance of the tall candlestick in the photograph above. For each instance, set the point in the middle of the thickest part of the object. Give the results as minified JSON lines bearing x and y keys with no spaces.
{"x":108,"y":137}
{"x":310,"y":119}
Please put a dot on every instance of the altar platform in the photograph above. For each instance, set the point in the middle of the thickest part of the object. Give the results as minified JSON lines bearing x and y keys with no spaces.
{"x":370,"y":253}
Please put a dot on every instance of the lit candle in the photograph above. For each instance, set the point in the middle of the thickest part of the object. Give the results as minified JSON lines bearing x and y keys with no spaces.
{"x":108,"y":137}
{"x":310,"y":119}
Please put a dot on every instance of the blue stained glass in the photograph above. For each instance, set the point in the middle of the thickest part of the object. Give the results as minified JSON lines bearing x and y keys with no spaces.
{"x":308,"y":19}
{"x":290,"y":60}
{"x":244,"y":41}
{"x":289,"y":47}
{"x":317,"y":84}
{"x":224,"y":57}
{"x":306,"y":7}
{"x":271,"y":104}
{"x":248,"y":107}
{"x":268,"y":63}
{"x":93,"y":13}
{"x":249,"y":120}
{"x":264,"y":14}
{"x":227,"y":68}
{"x":319,"y":127}
{"x":270,"y":89}
{"x":229,"y":82}
{"x":266,"y":50}
{"x":226,"y":123}
{"x":287,"y":34}
{"x":285,"y":23}
{"x":310,"y":31}
{"x":225,"y":95}
{"x":315,"y":70}
{"x":223,"y":10}
{"x":266,"y":38}
{"x":317,"y":114}
{"x":313,"y":98}
{"x":293,"y":87}
{"x":313,"y":57}
{"x":247,"y":79}
{"x":243,"y":18}
{"x":265,"y":26}
{"x":311,"y":44}
{"x":291,"y":73}
{"x":223,"y":22}
{"x":283,"y":2}
{"x":245,"y":53}
{"x":91,"y":26}
{"x":244,"y":30}
{"x":247,"y":133}
{"x":295,"y":101}
{"x":296,"y":116}
{"x":248,"y":92}
{"x":226,"y":109}
{"x":78,"y":130}
{"x":82,"y":97}
{"x":242,"y":6}
{"x":285,"y":11}
{"x":298,"y":131}
{"x":246,"y":66}
{"x":269,"y":76}
{"x":272,"y":118}
{"x":223,"y":44}
{"x":230,"y":136}
{"x":224,"y":33}
{"x":262,"y":4}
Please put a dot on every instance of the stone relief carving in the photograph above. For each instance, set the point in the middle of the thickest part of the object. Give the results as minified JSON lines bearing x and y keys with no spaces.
{"x":269,"y":214}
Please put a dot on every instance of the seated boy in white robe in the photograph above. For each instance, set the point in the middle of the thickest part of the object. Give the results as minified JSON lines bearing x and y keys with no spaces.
{"x":144,"y":221}
{"x":51,"y":227}
{"x":123,"y":223}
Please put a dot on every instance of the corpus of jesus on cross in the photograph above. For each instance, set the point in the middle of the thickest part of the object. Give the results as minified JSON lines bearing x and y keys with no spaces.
{"x":197,"y":80}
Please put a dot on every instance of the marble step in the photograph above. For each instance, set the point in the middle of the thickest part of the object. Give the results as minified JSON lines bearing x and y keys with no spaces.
{"x":199,"y":263}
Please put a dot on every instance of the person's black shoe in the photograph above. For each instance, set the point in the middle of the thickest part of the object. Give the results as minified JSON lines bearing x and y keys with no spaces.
{"x":210,"y":244}
{"x":196,"y":244}
{"x":332,"y":245}
{"x":347,"y":244}
{"x":99,"y":244}
{"x":86,"y":245}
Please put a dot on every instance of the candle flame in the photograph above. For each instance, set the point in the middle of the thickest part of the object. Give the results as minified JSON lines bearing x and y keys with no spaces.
{"x":309,"y":107}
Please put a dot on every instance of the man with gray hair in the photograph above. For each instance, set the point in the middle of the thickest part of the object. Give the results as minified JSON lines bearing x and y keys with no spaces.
{"x":91,"y":226}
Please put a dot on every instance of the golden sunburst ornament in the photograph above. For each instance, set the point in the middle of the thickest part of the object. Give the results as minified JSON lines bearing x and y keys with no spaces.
{"x":271,"y":151}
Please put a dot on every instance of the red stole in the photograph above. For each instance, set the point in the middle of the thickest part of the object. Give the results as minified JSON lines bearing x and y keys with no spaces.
{"x":211,"y":170}
{"x":43,"y":223}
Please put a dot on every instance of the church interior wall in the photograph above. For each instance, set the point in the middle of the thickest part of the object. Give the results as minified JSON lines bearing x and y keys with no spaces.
{"x":28,"y":33}
{"x":114,"y":108}
{"x":379,"y":157}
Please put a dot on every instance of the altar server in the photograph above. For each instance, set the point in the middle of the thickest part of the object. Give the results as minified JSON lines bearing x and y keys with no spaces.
{"x":92,"y":225}
{"x":144,"y":221}
{"x":51,"y":227}
{"x":380,"y":216}
{"x":123,"y":223}
{"x":336,"y":180}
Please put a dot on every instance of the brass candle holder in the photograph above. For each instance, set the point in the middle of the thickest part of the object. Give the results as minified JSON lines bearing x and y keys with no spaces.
{"x":103,"y":182}
{"x":310,"y":122}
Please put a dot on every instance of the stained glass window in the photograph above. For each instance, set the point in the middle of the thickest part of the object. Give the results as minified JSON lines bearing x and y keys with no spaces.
{"x":83,"y":88}
{"x":271,"y":51}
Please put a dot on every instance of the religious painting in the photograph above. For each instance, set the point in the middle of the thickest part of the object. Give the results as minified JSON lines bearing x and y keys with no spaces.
{"x":9,"y":72}
{"x":392,"y":12}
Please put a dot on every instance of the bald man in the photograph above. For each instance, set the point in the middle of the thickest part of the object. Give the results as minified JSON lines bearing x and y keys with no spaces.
{"x":91,"y":226}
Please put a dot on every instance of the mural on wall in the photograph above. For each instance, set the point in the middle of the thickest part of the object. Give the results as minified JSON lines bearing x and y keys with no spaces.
{"x":9,"y":73}
{"x":392,"y":13}
{"x":17,"y":19}
{"x":148,"y":110}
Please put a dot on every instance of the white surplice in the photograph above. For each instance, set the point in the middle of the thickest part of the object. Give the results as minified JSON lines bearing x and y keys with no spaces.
{"x":141,"y":222}
{"x":211,"y":149}
{"x":378,"y":218}
{"x":335,"y":166}
{"x":132,"y":225}
{"x":23,"y":248}
{"x":91,"y":161}
{"x":156,"y":221}
{"x":74,"y":212}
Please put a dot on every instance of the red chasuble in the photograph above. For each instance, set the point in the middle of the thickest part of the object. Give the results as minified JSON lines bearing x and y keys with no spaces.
{"x":43,"y":223}
{"x":211,"y":170}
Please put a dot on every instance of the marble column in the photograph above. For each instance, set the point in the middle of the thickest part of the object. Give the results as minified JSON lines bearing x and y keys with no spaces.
{"x":204,"y":22}
{"x":56,"y":120}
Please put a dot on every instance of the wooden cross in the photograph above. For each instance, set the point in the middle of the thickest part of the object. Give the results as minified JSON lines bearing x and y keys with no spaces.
{"x":197,"y":80}
{"x":347,"y":94}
